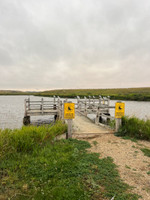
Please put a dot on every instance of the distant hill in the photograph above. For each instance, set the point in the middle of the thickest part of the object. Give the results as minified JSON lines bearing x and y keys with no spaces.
{"x":15,"y":92}
{"x":138,"y":94}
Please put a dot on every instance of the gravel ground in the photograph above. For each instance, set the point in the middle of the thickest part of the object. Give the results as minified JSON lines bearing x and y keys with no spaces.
{"x":133,"y":166}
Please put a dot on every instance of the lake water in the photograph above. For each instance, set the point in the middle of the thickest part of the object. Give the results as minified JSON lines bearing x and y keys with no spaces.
{"x":12,"y":110}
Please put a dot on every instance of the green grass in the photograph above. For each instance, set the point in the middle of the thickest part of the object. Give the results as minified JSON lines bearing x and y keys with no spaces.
{"x":137,"y":94}
{"x":13,"y":92}
{"x":135,"y":128}
{"x":148,"y":172}
{"x":35,"y":166}
{"x":28,"y":138}
{"x":146,"y":151}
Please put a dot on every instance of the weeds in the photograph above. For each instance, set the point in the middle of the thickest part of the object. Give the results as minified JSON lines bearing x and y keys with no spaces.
{"x":28,"y":138}
{"x":33,"y":166}
{"x":95,"y":143}
{"x":135,"y":128}
{"x":146,"y":151}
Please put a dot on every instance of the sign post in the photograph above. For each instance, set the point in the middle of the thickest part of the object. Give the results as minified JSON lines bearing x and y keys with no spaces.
{"x":69,"y":114}
{"x":119,"y":113}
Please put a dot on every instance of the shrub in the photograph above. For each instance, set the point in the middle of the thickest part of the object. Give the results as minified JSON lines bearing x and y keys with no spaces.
{"x":27,"y":138}
{"x":135,"y":128}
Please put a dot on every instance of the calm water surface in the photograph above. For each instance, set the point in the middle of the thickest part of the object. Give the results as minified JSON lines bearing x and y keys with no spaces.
{"x":12,"y":110}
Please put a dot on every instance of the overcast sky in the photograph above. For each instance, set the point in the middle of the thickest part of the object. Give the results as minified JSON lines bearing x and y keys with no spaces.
{"x":48,"y":44}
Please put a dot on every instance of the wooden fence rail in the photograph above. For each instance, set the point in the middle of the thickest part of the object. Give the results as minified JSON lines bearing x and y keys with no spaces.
{"x":100,"y":107}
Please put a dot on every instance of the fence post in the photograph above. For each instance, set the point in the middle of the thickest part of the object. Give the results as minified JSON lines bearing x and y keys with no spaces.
{"x":93,"y":101}
{"x":89,"y":101}
{"x":119,"y":113}
{"x":29,"y":103}
{"x":78,"y":102}
{"x":97,"y":116}
{"x":42,"y":105}
{"x":118,"y":123}
{"x":85,"y":110}
{"x":69,"y":133}
{"x":54,"y":100}
{"x":67,"y":109}
{"x":25,"y":105}
{"x":100,"y":100}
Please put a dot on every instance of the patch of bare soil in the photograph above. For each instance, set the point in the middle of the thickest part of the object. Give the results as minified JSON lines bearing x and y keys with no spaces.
{"x":133,"y":166}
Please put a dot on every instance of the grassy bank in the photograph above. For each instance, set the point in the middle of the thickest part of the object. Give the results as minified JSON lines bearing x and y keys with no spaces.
{"x":13,"y":92}
{"x":136,"y":94}
{"x":135,"y":128}
{"x":34,"y":166}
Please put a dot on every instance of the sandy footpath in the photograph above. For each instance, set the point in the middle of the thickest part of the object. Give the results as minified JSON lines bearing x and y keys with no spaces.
{"x":132,"y":164}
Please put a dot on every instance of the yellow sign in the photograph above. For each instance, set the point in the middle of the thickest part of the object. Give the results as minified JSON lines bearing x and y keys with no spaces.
{"x":119,"y":110}
{"x":69,"y":111}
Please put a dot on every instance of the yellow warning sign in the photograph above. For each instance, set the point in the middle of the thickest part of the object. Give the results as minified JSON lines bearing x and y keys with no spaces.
{"x":119,"y":110}
{"x":69,"y":110}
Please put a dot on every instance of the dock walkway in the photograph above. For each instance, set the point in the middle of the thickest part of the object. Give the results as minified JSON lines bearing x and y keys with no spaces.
{"x":83,"y":128}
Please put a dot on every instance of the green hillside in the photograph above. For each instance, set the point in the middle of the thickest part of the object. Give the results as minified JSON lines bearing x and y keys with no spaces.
{"x":138,"y":94}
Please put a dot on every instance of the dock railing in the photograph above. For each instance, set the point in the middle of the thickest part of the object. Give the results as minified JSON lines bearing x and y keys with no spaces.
{"x":42,"y":107}
{"x":98,"y":106}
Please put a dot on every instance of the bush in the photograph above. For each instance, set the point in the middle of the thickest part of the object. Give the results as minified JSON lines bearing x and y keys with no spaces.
{"x":27,"y":138}
{"x":135,"y":128}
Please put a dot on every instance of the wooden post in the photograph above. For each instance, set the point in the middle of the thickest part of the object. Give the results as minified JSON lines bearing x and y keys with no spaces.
{"x":61,"y":110}
{"x":26,"y":120}
{"x":79,"y":106}
{"x":108,"y":113}
{"x":118,"y":123}
{"x":103,"y":100}
{"x":119,"y":113}
{"x":55,"y":116}
{"x":54,"y":100}
{"x":94,"y":101}
{"x":69,"y":120}
{"x":29,"y":103}
{"x":78,"y":100}
{"x":58,"y":107}
{"x":89,"y":101}
{"x":97,"y":116}
{"x":85,"y":109}
{"x":25,"y":105}
{"x":69,"y":133}
{"x":100,"y":100}
{"x":100,"y":118}
{"x":42,"y":105}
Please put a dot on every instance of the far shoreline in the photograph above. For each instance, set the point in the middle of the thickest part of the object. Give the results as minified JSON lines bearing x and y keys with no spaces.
{"x":124,"y":94}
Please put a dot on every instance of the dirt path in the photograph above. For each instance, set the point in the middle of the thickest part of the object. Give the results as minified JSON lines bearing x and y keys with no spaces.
{"x":132,"y":164}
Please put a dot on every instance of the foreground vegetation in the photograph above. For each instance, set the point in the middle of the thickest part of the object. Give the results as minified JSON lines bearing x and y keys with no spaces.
{"x":135,"y":128}
{"x":136,"y":94}
{"x":35,"y":166}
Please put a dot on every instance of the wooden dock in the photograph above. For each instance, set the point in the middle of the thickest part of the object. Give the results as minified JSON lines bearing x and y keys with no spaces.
{"x":91,"y":105}
{"x":100,"y":107}
{"x":41,"y":107}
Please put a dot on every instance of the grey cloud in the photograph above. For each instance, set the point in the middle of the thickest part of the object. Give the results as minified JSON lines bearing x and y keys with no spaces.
{"x":67,"y":44}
